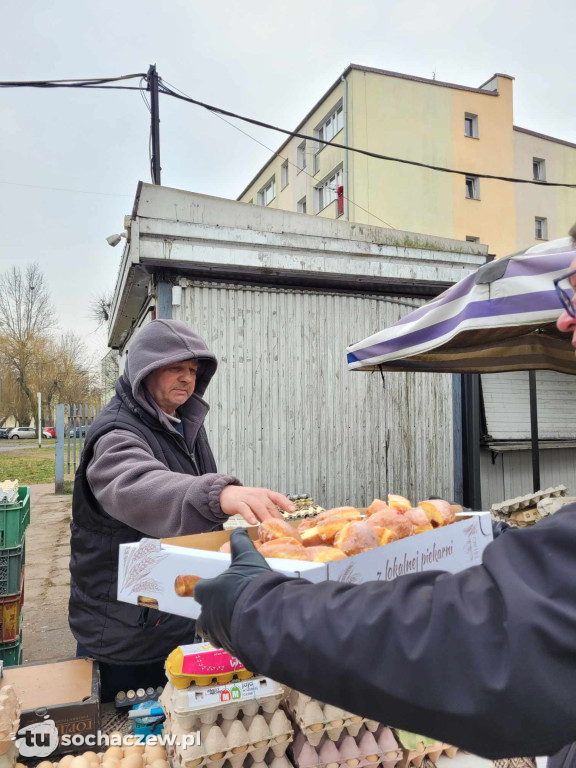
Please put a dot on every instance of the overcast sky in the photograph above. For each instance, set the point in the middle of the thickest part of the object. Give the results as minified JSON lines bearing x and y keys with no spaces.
{"x":268,"y":60}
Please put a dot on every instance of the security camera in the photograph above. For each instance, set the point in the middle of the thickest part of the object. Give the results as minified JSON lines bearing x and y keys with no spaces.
{"x":113,"y":240}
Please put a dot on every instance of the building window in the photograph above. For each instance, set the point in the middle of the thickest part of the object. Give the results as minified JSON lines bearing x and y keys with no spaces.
{"x":541,"y":228}
{"x":327,"y":192}
{"x":301,"y":205}
{"x":268,"y":192}
{"x":538,"y":169}
{"x":332,"y":125}
{"x":301,"y":156}
{"x":471,"y":125}
{"x":327,"y":129}
{"x":473,"y":187}
{"x":472,"y":239}
{"x":284,"y":175}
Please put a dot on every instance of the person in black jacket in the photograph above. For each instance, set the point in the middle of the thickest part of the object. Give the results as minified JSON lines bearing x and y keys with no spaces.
{"x":484,"y":659}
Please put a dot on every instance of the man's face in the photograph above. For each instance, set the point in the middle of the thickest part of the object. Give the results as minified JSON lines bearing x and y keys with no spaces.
{"x":172,"y":385}
{"x":565,"y":322}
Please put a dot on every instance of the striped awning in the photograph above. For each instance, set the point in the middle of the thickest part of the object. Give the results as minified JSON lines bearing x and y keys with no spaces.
{"x":500,"y":318}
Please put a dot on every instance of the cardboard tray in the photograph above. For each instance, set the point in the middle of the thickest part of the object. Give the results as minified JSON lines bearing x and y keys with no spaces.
{"x":147,"y":569}
{"x":67,"y":691}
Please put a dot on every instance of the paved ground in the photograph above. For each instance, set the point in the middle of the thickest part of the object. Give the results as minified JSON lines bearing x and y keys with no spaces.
{"x":45,"y":627}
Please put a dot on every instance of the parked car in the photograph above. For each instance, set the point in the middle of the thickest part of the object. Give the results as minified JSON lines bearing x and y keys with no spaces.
{"x":4,"y":431}
{"x":21,"y":433}
{"x":79,"y":431}
{"x":49,"y":432}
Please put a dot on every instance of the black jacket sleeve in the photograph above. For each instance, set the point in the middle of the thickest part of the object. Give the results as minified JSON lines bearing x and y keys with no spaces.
{"x":484,"y":659}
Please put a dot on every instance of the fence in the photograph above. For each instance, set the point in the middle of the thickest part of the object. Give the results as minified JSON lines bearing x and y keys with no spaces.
{"x":72,"y":425}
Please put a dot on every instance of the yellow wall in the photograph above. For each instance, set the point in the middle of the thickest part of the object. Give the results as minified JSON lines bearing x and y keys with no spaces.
{"x":406,"y":119}
{"x":556,"y":204}
{"x":493,"y":216}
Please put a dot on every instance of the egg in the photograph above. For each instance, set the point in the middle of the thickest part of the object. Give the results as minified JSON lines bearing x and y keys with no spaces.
{"x":79,"y":762}
{"x":113,"y":753}
{"x":110,"y":762}
{"x":133,"y":750}
{"x":44,"y":764}
{"x":155,"y":752}
{"x":92,"y":757}
{"x":159,"y":764}
{"x":65,"y":762}
{"x":21,"y":765}
{"x":132,"y":761}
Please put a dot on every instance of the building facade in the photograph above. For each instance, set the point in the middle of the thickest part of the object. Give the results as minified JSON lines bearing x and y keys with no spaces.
{"x":432,"y":122}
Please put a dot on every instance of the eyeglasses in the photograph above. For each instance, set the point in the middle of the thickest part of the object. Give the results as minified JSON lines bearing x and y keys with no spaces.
{"x":566,"y":292}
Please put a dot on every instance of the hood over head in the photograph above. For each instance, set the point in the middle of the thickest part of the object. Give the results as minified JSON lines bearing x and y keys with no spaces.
{"x":163,"y":342}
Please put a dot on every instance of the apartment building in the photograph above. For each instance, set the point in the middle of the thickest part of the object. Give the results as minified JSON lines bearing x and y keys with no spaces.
{"x":432,"y":122}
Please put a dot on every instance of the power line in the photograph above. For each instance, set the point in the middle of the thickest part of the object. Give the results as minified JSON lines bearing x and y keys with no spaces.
{"x":103,"y":83}
{"x":366,"y":152}
{"x":282,"y":157}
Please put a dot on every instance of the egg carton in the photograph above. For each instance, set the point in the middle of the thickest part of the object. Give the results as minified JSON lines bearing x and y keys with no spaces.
{"x":366,"y":749}
{"x":315,"y":719}
{"x":195,"y":707}
{"x":303,"y":512}
{"x":9,"y":717}
{"x":505,"y":508}
{"x":232,"y":743}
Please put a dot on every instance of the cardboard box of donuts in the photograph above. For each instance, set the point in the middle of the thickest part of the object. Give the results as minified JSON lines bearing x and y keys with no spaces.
{"x":388,"y":539}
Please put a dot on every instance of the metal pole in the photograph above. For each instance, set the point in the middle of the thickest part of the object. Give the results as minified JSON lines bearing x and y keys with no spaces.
{"x":471,"y":440}
{"x":154,"y":123}
{"x":534,"y":431}
{"x":457,"y":446}
{"x":68,"y":434}
{"x":39,"y":419}
{"x":59,"y":474}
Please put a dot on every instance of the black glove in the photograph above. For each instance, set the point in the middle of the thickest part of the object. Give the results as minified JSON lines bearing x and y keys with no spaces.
{"x":499,"y":527}
{"x":218,"y":596}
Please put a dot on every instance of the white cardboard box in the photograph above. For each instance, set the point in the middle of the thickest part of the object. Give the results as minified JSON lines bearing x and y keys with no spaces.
{"x":148,"y":569}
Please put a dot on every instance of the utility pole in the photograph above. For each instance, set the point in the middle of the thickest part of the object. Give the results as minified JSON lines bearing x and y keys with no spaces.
{"x":152,"y":77}
{"x":39,"y":420}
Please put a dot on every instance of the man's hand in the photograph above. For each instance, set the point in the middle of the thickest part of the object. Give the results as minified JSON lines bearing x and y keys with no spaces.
{"x":218,"y":596}
{"x":254,"y":504}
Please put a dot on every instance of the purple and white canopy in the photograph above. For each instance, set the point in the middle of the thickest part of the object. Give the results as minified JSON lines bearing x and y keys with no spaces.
{"x":501,"y":318}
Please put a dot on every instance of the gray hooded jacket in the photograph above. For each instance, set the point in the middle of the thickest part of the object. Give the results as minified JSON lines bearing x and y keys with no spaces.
{"x":138,"y":476}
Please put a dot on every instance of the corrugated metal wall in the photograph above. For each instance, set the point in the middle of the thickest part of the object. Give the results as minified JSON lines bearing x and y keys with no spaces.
{"x":287,"y":414}
{"x":511,"y":474}
{"x":507,"y":405}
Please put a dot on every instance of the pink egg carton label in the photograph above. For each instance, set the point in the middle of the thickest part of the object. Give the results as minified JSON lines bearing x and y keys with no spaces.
{"x":203,"y":659}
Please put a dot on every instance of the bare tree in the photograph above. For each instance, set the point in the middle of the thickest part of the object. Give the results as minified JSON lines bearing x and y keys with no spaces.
{"x":100,"y":308}
{"x":26,"y":315}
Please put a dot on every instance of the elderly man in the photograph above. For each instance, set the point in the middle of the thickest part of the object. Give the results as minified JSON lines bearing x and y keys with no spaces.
{"x":485,"y":658}
{"x":147,"y":470}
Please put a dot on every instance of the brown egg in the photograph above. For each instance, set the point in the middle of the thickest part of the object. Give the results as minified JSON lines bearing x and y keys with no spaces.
{"x":132,"y":761}
{"x":133,"y":750}
{"x":159,"y":764}
{"x":44,"y":764}
{"x":92,"y":757}
{"x":110,"y":762}
{"x":113,"y":753}
{"x":21,"y":765}
{"x":65,"y":762}
{"x":154,"y":753}
{"x":79,"y":762}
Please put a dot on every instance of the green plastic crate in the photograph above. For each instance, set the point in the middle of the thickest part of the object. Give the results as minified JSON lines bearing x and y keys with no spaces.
{"x":11,"y":653}
{"x":11,"y":564}
{"x":14,"y":519}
